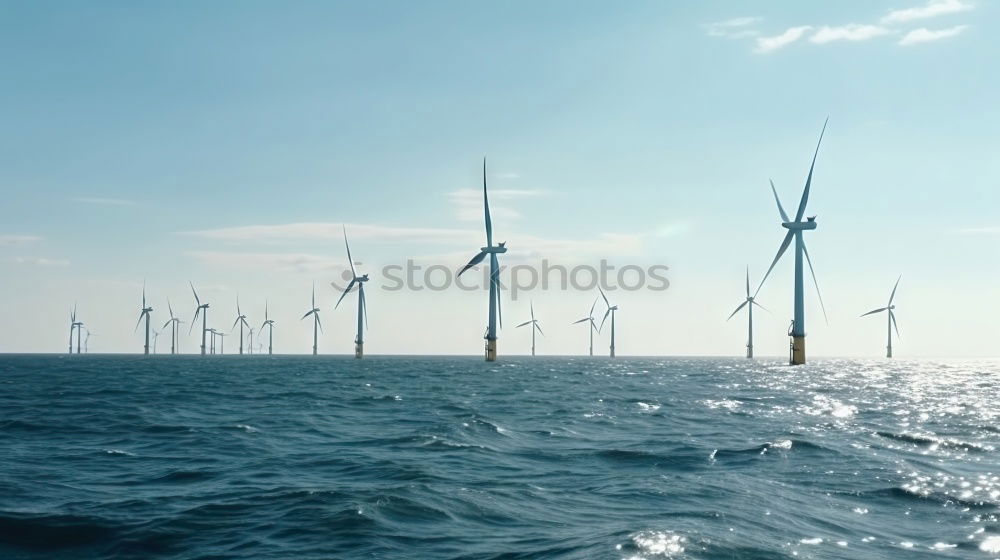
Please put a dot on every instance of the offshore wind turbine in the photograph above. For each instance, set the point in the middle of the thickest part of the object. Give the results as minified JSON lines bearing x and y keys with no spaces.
{"x":749,"y":302}
{"x":145,"y":313}
{"x":359,"y":340}
{"x":222,"y":342}
{"x":204,"y":319}
{"x":173,"y":322}
{"x":534,"y":326}
{"x":611,"y":311}
{"x":156,"y":336}
{"x":212,"y":332}
{"x":495,"y":315}
{"x":317,"y":325}
{"x":86,"y":342}
{"x":72,"y":325}
{"x":241,"y":319}
{"x":593,"y":324}
{"x":891,"y":319}
{"x":795,"y":228}
{"x":269,"y":323}
{"x":249,"y":339}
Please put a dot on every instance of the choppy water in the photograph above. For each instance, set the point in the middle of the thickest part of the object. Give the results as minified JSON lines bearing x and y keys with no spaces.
{"x":569,"y":458}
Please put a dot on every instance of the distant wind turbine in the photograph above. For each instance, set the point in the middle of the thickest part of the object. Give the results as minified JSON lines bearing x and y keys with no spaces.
{"x":534,"y":326}
{"x":249,"y":339}
{"x":156,"y":336}
{"x":86,"y":342}
{"x":891,"y":319}
{"x":73,"y":325}
{"x":144,"y":314}
{"x":495,"y":315}
{"x":611,"y":311}
{"x":748,"y":303}
{"x":173,"y":322}
{"x":795,"y":228}
{"x":241,"y":319}
{"x":359,"y":340}
{"x":222,"y":342}
{"x":317,"y":325}
{"x":269,"y":323}
{"x":204,"y":319}
{"x":212,"y":332}
{"x":589,"y":319}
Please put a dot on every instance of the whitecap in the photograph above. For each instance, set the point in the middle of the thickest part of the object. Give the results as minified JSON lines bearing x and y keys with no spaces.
{"x":247,"y":428}
{"x":814,"y":540}
{"x":118,"y":452}
{"x":662,"y":543}
{"x":991,"y":544}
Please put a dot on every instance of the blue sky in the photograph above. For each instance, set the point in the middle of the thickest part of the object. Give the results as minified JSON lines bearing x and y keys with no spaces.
{"x":155,"y":140}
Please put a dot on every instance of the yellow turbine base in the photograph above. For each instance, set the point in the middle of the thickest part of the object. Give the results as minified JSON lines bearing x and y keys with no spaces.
{"x":798,"y":350}
{"x":491,"y":350}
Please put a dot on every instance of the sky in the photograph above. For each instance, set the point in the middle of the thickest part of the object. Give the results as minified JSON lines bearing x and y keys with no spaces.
{"x":228,"y":143}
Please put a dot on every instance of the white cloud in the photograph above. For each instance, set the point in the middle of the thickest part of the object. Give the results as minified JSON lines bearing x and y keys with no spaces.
{"x":40,"y":261}
{"x":326,"y":231}
{"x":733,"y":28}
{"x":933,"y":8}
{"x":104,"y":201}
{"x":469,"y":203}
{"x":282,"y":262}
{"x":792,"y":34}
{"x":984,"y":230}
{"x":924,"y":35}
{"x":849,"y":32}
{"x":18,"y":239}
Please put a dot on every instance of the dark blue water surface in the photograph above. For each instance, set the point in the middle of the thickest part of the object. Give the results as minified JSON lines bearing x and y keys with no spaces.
{"x":569,"y":458}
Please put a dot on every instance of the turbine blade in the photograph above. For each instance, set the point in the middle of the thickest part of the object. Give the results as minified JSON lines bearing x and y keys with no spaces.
{"x":737,"y":310}
{"x":893,"y":295}
{"x":347,"y":289}
{"x":320,"y":323}
{"x":308,"y":314}
{"x":314,"y":296}
{"x":364,"y":305}
{"x":593,"y":306}
{"x":475,"y":260}
{"x":196,"y":312}
{"x":235,"y":323}
{"x":532,"y":304}
{"x":748,"y":281}
{"x":539,"y":328}
{"x":581,"y":320}
{"x":781,"y":210}
{"x":171,"y":309}
{"x":805,"y":192}
{"x":761,"y":306}
{"x":486,"y":208}
{"x":523,"y":324}
{"x":141,"y":315}
{"x":892,"y":317}
{"x":606,"y":313}
{"x":781,"y":251}
{"x":167,"y":323}
{"x":815,"y":283}
{"x":350,"y":260}
{"x":873,"y":311}
{"x":603,"y":296}
{"x":198,"y":301}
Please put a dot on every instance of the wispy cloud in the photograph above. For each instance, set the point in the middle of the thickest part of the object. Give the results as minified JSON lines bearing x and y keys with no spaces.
{"x":931,"y":9}
{"x":104,"y":201}
{"x":282,"y":262}
{"x":469,"y":203}
{"x":18,"y":239}
{"x":733,"y":28}
{"x":40,"y":261}
{"x":982,"y":230}
{"x":849,"y":32}
{"x":775,"y":42}
{"x":326,"y":231}
{"x":924,"y":35}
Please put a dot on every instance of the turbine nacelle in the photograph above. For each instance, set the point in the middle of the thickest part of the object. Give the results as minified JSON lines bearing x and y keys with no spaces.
{"x":498,"y":249}
{"x":808,"y":224}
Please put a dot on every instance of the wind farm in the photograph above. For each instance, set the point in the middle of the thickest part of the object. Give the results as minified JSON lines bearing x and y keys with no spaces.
{"x":455,"y":163}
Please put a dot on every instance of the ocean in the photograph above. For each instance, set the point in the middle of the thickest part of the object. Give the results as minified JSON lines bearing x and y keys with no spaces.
{"x":306,"y":457}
